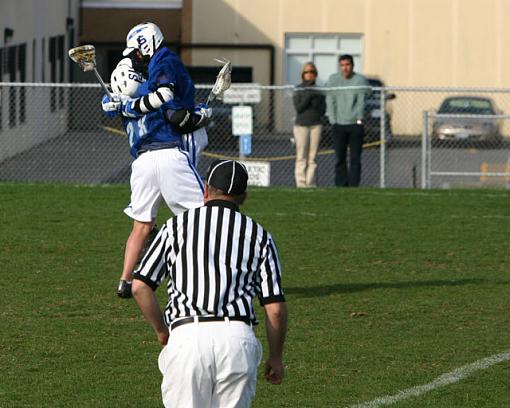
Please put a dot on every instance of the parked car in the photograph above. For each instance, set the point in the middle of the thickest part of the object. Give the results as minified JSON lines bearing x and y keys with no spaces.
{"x":219,"y":129}
{"x":373,"y":111}
{"x":372,"y":116}
{"x":465,"y":127}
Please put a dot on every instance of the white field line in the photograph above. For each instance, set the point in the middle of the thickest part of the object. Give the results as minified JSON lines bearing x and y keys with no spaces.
{"x":441,"y":381}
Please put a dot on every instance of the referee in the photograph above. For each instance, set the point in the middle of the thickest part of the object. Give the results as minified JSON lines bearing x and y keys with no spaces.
{"x":216,"y":260}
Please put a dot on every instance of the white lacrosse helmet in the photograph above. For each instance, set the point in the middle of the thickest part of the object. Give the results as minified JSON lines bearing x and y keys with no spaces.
{"x":125,"y":80}
{"x":146,"y":37}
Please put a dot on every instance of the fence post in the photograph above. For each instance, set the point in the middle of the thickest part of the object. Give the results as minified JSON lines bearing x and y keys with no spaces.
{"x":382,"y":149}
{"x":424,"y":145}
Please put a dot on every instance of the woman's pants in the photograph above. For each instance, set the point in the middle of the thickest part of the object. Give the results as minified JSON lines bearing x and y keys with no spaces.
{"x":307,"y":140}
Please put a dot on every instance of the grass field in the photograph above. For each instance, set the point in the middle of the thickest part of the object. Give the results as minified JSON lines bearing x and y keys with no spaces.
{"x":387,"y":290}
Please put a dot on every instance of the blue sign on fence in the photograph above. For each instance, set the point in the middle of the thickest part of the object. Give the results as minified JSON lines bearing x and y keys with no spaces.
{"x":244,"y":145}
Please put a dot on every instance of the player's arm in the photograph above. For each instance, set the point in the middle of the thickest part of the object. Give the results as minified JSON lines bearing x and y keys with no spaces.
{"x":159,"y":90}
{"x":187,"y":121}
{"x":151,"y":102}
{"x":111,"y":107}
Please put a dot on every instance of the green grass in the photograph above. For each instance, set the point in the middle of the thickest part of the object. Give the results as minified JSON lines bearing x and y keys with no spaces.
{"x":387,"y":290}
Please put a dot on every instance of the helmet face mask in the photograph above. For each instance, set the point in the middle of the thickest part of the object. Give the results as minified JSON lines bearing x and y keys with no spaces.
{"x":145,"y":37}
{"x":138,"y":61}
{"x":125,"y":80}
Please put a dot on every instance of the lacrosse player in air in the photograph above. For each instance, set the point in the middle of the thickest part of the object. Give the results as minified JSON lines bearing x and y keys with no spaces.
{"x":168,"y":86}
{"x":158,"y":116}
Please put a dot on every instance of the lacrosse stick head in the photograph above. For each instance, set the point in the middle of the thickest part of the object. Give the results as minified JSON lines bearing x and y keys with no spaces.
{"x":223,"y":80}
{"x":84,"y":56}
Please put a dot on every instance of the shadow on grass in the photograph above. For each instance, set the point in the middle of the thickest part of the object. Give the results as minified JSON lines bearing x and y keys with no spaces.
{"x":326,"y":290}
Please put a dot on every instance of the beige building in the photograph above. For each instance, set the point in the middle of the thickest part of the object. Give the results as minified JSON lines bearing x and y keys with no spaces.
{"x":404,"y":43}
{"x":453,"y":43}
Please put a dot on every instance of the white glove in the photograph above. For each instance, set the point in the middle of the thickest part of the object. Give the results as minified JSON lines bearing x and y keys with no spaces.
{"x":126,"y":107}
{"x":204,"y":110}
{"x":111,"y":105}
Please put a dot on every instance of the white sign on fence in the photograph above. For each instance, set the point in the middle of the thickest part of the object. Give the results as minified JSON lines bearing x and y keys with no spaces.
{"x":259,"y":173}
{"x":242,"y":95}
{"x":242,"y":120}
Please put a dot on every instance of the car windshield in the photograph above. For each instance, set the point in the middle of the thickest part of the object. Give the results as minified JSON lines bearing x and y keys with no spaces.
{"x":473,"y":106}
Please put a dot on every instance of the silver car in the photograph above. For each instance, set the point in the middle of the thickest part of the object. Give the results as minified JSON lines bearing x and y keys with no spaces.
{"x":464,"y":125}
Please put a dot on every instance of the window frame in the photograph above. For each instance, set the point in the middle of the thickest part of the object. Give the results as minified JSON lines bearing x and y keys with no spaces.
{"x":312,"y":51}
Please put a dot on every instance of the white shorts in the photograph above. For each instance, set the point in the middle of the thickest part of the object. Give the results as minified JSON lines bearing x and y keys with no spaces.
{"x":210,"y":365}
{"x":194,"y":143}
{"x":165,"y":174}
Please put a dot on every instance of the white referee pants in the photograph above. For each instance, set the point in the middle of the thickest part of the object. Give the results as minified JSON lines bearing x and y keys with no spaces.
{"x":210,"y":365}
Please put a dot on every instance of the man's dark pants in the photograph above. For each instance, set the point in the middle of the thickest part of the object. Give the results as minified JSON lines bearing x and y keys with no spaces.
{"x":348,"y":136}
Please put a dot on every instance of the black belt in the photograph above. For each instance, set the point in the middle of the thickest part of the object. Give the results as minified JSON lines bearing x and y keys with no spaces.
{"x":171,"y":145}
{"x":202,"y":319}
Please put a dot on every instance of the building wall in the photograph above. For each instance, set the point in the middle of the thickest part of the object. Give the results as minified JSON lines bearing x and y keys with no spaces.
{"x":406,"y":42}
{"x":42,"y":32}
{"x":425,"y":43}
{"x":105,"y":23}
{"x":120,"y":21}
{"x":34,"y":22}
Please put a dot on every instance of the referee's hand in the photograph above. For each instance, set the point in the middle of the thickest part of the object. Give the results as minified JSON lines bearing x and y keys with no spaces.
{"x":274,"y":370}
{"x":163,"y":337}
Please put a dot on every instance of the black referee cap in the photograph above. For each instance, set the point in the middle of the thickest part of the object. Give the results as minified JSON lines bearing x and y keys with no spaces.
{"x":229,"y":176}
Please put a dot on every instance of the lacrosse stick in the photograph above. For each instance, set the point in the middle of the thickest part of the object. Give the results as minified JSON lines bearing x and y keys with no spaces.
{"x":223,"y":80}
{"x":85,"y":57}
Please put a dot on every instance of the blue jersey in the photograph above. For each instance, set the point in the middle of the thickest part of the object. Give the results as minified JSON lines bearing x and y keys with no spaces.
{"x":166,"y":68}
{"x":150,"y":132}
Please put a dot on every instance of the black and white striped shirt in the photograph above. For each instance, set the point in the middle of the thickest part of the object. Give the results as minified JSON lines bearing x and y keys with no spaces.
{"x":216,"y":260}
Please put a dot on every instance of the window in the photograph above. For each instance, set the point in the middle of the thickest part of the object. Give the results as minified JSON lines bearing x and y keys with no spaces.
{"x":323,"y":50}
{"x":11,"y":65}
{"x":56,"y":59}
{"x":61,"y":56}
{"x":13,"y":60}
{"x":22,"y":69}
{"x":52,"y":57}
{"x":2,"y":57}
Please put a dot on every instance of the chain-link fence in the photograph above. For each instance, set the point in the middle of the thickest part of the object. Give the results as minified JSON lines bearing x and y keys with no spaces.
{"x":414,"y":137}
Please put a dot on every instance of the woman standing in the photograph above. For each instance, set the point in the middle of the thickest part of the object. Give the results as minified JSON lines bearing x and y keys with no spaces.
{"x":310,"y":107}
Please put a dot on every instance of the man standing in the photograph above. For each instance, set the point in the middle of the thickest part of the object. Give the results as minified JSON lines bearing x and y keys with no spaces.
{"x":345,"y":109}
{"x":216,"y":260}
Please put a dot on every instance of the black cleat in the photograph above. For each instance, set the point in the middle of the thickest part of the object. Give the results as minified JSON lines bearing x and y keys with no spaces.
{"x":124,"y":289}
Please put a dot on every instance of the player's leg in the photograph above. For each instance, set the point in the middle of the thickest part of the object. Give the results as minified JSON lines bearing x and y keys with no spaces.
{"x":184,"y":189}
{"x":152,"y":234}
{"x":134,"y":246}
{"x":188,"y":145}
{"x":195,"y":143}
{"x":201,"y":141}
{"x":145,"y":199}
